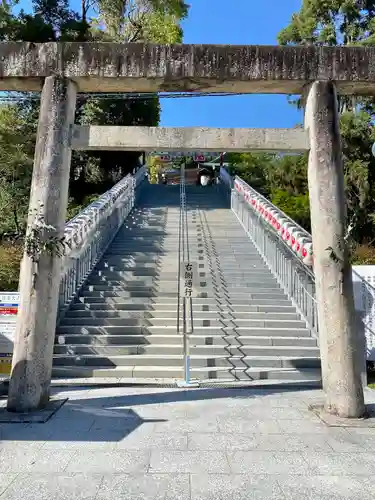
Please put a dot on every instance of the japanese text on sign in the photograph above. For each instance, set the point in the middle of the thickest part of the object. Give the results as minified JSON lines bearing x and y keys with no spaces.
{"x":188,"y":278}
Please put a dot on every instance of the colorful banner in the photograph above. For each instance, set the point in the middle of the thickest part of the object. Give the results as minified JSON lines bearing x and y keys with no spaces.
{"x":292,"y":235}
{"x":9,"y":302}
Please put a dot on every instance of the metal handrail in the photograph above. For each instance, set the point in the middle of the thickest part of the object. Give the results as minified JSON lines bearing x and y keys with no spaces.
{"x":179,"y":259}
{"x":187,"y":304}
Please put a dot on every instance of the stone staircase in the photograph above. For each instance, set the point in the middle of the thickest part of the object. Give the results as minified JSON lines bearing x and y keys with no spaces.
{"x":123,"y":324}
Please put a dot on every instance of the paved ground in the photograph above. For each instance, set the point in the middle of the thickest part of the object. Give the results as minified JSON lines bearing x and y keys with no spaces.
{"x":140,"y":444}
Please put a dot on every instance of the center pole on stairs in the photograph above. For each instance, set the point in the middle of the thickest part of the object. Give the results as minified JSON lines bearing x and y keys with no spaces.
{"x":186,"y":268}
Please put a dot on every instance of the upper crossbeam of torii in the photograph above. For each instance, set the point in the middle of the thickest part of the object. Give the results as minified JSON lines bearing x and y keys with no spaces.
{"x":114,"y":67}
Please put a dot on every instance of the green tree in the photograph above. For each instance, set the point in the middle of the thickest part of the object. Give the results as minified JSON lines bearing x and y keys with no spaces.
{"x":124,"y":20}
{"x":333,"y":22}
{"x":140,"y":20}
{"x":91,"y":174}
{"x":289,"y":173}
{"x":253,"y":169}
{"x":297,"y":207}
{"x":16,"y":145}
{"x":346,"y":22}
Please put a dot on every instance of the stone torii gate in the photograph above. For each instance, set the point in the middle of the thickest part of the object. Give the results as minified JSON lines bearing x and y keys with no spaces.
{"x":62,"y":69}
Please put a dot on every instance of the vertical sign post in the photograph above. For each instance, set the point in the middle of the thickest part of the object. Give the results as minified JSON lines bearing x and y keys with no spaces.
{"x":188,"y":279}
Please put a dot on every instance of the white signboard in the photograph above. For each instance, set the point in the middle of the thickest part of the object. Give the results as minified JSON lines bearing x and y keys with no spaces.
{"x":9,"y":297}
{"x":8,"y":316}
{"x":189,"y":275}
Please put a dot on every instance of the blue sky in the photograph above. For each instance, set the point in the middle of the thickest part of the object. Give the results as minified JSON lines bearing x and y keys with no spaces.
{"x":238,"y":22}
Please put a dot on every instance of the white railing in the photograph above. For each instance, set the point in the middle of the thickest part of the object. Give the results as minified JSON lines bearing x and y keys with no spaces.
{"x":292,"y":275}
{"x":288,"y":264}
{"x":89,"y":234}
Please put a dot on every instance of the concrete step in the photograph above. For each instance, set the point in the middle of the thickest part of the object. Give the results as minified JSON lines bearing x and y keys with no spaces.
{"x":165,"y":330}
{"x":173,"y":373}
{"x":198,"y":315}
{"x":148,"y":360}
{"x":148,"y":341}
{"x":134,"y":282}
{"x":171,"y":322}
{"x":273,"y":356}
{"x":170,"y":307}
{"x":172,"y":287}
{"x":145,"y":293}
{"x":278,"y":300}
{"x":166,"y":274}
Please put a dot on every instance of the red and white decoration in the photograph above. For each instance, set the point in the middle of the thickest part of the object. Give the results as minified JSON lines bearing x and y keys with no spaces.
{"x":297,"y":239}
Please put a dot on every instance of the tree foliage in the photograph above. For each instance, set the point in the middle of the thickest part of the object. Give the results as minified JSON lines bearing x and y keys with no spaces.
{"x":141,"y":20}
{"x":333,"y":22}
{"x":91,"y":173}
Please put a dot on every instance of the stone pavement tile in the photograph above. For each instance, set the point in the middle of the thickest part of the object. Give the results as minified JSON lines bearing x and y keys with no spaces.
{"x":293,"y":442}
{"x":77,"y":421}
{"x":250,"y":425}
{"x":325,"y":488}
{"x":6,"y":480}
{"x":238,"y":487}
{"x":15,"y":460}
{"x":351,"y":442}
{"x":187,"y":425}
{"x":188,"y":461}
{"x":310,"y":426}
{"x":49,"y":461}
{"x":267,"y":462}
{"x":266,"y":442}
{"x":364,"y":439}
{"x":264,"y":412}
{"x":90,"y":440}
{"x":55,"y":486}
{"x":340,"y":464}
{"x":221,"y":441}
{"x":126,"y":422}
{"x":109,"y":462}
{"x":134,"y":440}
{"x":145,"y":487}
{"x":277,"y":401}
{"x":180,"y":409}
{"x":24,"y":433}
{"x":25,"y":445}
{"x":364,"y":431}
{"x":20,"y":459}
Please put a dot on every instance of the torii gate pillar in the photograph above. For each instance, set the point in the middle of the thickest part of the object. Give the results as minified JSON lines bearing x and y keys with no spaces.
{"x":41,"y":268}
{"x":340,"y":342}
